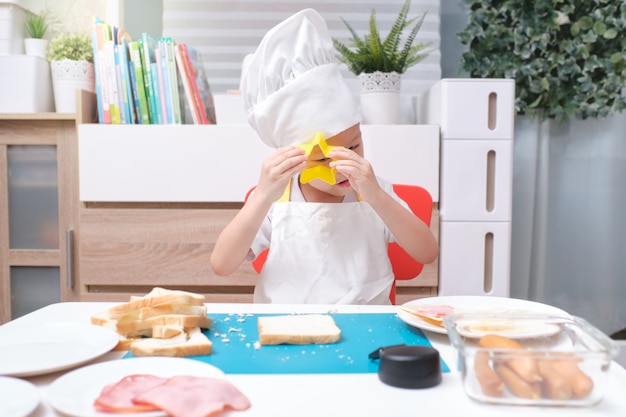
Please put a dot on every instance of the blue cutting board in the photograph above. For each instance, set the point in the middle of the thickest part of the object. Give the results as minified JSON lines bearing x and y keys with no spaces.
{"x":236,"y":349}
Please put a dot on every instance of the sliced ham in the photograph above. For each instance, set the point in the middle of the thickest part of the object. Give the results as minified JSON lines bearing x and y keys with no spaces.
{"x":178,"y":396}
{"x":432,"y":314}
{"x":191,"y":396}
{"x":118,"y":397}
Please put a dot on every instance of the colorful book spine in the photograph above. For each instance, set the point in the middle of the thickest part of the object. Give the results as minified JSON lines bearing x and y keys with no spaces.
{"x":164,"y":74}
{"x":100,"y":33}
{"x":139,"y":85}
{"x":134,"y":92}
{"x":161,"y":86}
{"x":174,"y":83}
{"x":185,"y":77}
{"x":147,"y":44}
{"x":201,"y":87}
{"x":111,"y":81}
{"x":118,"y":80}
{"x":198,"y":105}
{"x":156,"y":87}
{"x":97,"y":71}
{"x":128,"y":101}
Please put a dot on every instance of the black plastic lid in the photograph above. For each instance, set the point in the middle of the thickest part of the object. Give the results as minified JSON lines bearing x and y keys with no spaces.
{"x":410,"y":366}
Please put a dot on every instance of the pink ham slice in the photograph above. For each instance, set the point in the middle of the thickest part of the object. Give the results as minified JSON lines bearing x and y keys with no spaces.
{"x":432,"y":314}
{"x":191,"y":396}
{"x":118,"y":397}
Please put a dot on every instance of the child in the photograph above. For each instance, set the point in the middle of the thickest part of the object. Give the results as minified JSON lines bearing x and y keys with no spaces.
{"x":327,"y":237}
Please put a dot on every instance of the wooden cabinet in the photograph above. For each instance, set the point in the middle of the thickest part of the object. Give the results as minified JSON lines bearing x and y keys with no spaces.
{"x":38,"y":209}
{"x":129,"y":248}
{"x":155,"y":198}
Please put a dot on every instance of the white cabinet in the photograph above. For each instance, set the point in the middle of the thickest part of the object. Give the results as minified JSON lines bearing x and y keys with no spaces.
{"x":200,"y":163}
{"x":476,"y":120}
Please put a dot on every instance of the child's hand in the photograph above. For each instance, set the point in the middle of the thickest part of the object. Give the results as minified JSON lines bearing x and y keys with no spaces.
{"x":357,"y":170}
{"x":277,"y":169}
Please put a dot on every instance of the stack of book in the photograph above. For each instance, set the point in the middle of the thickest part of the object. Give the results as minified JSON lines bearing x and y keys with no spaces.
{"x":149,"y":81}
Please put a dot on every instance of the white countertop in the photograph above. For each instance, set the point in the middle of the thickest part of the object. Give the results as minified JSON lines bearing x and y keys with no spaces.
{"x":335,"y":394}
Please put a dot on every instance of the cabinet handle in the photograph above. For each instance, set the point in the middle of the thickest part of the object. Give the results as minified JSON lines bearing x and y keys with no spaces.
{"x":69,"y":258}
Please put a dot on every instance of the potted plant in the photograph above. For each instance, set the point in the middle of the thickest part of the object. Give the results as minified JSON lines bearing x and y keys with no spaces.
{"x":36,"y":28}
{"x":567,"y":58}
{"x":71,"y":64}
{"x":379,"y":64}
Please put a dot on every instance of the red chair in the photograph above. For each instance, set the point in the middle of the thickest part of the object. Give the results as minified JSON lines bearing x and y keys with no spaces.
{"x":403,"y":266}
{"x":421,"y":204}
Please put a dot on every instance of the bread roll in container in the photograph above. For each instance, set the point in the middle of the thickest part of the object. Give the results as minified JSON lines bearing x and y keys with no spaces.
{"x":531,"y":359}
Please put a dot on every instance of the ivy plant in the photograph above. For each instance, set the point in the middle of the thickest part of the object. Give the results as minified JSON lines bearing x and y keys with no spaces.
{"x":368,"y":53}
{"x":568,"y":57}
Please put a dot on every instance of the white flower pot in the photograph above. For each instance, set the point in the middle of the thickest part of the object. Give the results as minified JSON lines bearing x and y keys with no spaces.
{"x":67,"y":77}
{"x":380,"y":97}
{"x":36,"y":47}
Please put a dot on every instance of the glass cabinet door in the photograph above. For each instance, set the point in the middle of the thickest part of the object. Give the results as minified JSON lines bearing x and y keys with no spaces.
{"x":33,"y":224}
{"x":33,"y":197}
{"x":33,"y":288}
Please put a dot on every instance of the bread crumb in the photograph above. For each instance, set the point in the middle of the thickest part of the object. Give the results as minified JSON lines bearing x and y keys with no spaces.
{"x":257,"y":345}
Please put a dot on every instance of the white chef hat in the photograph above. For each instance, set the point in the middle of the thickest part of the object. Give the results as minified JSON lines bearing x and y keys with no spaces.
{"x":292,"y":87}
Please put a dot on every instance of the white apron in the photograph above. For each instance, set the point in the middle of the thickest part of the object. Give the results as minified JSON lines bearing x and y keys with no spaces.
{"x":325,"y":253}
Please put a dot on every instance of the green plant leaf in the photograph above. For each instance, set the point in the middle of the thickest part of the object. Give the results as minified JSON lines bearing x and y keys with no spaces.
{"x":36,"y":26}
{"x":610,"y":34}
{"x":368,"y":53}
{"x":567,"y":57}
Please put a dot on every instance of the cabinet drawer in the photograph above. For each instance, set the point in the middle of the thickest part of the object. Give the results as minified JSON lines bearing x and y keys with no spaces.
{"x":125,"y":251}
{"x":155,"y":247}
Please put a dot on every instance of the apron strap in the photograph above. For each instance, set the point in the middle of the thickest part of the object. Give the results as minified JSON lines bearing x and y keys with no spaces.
{"x":286,"y":194}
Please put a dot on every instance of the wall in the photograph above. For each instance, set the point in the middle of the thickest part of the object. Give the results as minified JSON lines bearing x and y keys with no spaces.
{"x":141,"y":16}
{"x":74,"y":16}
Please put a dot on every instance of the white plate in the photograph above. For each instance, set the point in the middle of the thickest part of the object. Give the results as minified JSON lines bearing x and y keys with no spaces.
{"x":74,"y":393}
{"x":18,"y":398}
{"x":475,"y":304}
{"x":52,"y":347}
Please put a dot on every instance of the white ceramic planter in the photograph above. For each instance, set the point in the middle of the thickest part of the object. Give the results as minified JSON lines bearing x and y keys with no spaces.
{"x":36,"y":47}
{"x":67,"y":77}
{"x":380,"y":97}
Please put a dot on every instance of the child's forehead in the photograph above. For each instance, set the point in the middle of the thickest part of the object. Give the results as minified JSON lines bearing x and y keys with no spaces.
{"x":347,"y":138}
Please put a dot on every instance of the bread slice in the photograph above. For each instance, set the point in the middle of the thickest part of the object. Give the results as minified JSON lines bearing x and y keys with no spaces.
{"x":197,"y":299}
{"x":160,"y":310}
{"x":156,"y":297}
{"x":125,"y":343}
{"x":167,"y":331}
{"x":102,"y":319}
{"x":190,"y":343}
{"x":144,"y":327}
{"x":302,"y":329}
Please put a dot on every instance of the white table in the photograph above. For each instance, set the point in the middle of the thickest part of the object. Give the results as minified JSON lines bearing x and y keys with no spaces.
{"x":337,"y":394}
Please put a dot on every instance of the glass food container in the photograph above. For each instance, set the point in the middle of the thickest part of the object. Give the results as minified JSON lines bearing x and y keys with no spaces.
{"x":533,"y":359}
